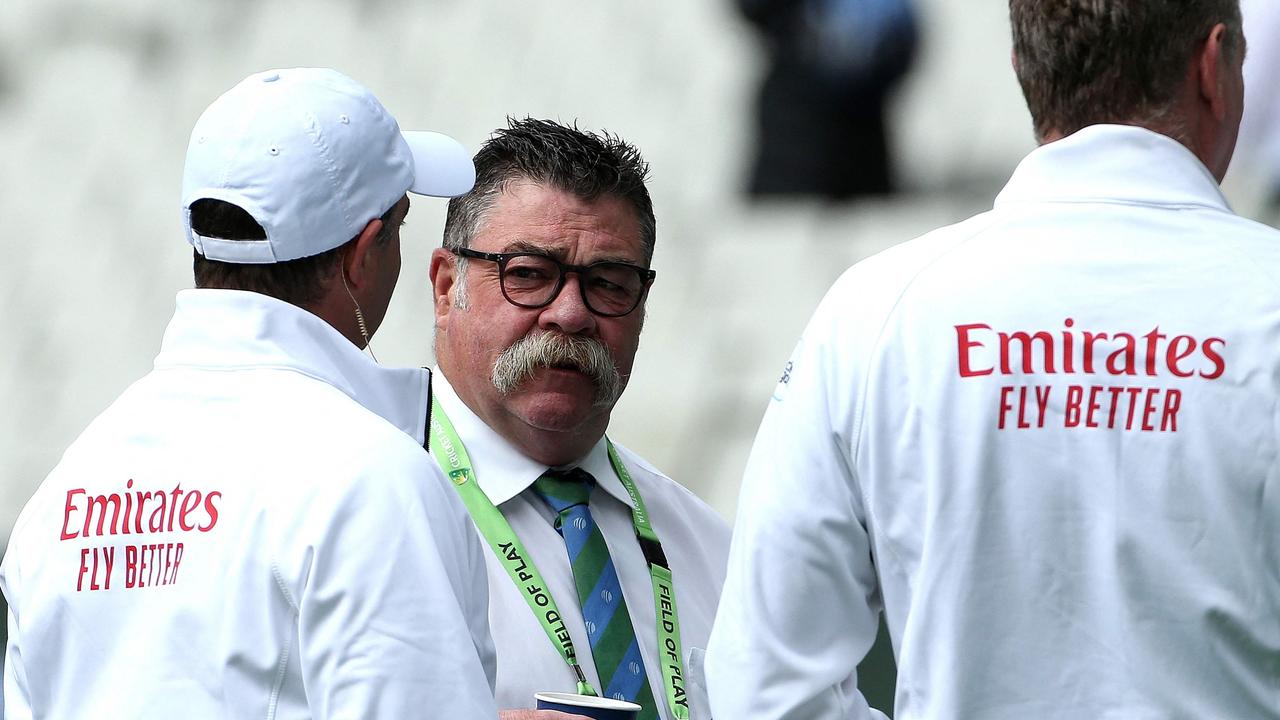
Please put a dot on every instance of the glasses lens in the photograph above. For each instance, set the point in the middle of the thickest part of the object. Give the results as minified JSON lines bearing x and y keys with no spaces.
{"x":530,"y":280}
{"x":613,"y":288}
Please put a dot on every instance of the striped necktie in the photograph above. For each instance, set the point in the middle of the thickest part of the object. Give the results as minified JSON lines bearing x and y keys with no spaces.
{"x":613,"y":641}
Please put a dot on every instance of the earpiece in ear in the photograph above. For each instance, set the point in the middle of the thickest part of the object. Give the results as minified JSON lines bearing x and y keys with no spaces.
{"x":364,"y":329}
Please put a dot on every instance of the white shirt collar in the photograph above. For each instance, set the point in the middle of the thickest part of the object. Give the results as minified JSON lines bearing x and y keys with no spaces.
{"x":1114,"y":163}
{"x":499,"y":468}
{"x":232,"y":328}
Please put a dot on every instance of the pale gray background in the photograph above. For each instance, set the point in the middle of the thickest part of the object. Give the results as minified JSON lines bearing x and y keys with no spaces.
{"x":97,"y":98}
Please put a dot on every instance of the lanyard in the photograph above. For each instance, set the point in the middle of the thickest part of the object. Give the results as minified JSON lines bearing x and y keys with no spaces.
{"x":455,"y":462}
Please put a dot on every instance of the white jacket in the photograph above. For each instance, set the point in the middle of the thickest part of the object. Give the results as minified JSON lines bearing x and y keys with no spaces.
{"x":1045,"y":441}
{"x":237,"y":537}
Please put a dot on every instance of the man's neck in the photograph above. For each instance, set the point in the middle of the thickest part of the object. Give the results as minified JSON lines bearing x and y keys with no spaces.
{"x":1194,"y":138}
{"x":549,"y":447}
{"x":338,"y":309}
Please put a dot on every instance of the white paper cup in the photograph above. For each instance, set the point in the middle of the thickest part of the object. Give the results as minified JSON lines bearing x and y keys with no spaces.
{"x":598,"y":708}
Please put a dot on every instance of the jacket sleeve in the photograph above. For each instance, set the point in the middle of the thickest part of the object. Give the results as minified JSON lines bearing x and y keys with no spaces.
{"x":392,"y":613}
{"x":17,"y":698}
{"x":801,"y":602}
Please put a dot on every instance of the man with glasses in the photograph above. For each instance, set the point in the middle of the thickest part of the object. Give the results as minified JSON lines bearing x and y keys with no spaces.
{"x":1044,"y":441}
{"x":605,"y":573}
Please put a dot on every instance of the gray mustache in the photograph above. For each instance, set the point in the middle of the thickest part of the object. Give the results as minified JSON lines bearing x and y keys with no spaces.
{"x":589,"y":356}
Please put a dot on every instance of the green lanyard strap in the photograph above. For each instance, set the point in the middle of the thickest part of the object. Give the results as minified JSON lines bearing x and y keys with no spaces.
{"x":452,"y":456}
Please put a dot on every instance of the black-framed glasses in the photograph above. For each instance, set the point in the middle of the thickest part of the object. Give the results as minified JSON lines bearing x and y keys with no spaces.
{"x":534,"y":280}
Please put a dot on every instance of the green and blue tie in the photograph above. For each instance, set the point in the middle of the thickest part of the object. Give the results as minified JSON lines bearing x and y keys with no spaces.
{"x":613,"y":641}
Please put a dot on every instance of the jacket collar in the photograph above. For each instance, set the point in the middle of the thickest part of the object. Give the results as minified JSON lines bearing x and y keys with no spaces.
{"x":499,"y":468}
{"x":1117,"y":164}
{"x":227,"y":329}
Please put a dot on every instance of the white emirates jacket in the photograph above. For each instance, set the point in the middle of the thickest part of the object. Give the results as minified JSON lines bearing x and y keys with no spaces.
{"x":1044,"y":441}
{"x":239,"y":536}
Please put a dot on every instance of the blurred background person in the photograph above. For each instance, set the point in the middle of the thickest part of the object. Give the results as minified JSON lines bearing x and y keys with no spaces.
{"x":821,"y":114}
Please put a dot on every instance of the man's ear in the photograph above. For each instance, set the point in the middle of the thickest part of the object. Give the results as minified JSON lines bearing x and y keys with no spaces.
{"x":1212,"y":66}
{"x":444,"y":268}
{"x":358,"y":264}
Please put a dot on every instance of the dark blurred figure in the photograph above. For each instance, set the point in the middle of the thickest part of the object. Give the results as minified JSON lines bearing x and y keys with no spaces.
{"x":821,"y":109}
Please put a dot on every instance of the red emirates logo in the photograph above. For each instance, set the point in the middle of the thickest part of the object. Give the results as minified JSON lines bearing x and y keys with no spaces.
{"x":135,"y":512}
{"x":1123,"y":358}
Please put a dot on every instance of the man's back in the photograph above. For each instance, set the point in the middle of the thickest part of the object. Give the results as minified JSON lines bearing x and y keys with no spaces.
{"x":1055,"y":448}
{"x":241,"y":539}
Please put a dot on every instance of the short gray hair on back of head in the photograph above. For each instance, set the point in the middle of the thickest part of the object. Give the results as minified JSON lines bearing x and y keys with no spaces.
{"x":1084,"y":62}
{"x":586,"y":164}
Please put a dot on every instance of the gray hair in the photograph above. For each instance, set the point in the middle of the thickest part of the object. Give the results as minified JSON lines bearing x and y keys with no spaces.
{"x":586,"y":164}
{"x":1084,"y":62}
{"x":550,"y":349}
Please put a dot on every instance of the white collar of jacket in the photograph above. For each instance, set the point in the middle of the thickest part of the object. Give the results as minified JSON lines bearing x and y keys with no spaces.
{"x":501,"y":470}
{"x":1114,"y":164}
{"x":226,"y":329}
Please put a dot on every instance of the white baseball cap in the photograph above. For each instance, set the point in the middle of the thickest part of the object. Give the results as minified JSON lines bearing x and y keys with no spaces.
{"x":313,"y":156}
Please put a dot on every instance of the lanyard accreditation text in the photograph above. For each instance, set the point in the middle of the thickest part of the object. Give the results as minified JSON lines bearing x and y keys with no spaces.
{"x":497,"y":532}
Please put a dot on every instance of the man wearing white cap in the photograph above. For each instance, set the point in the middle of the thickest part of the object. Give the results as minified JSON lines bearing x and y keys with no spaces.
{"x":252,"y":530}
